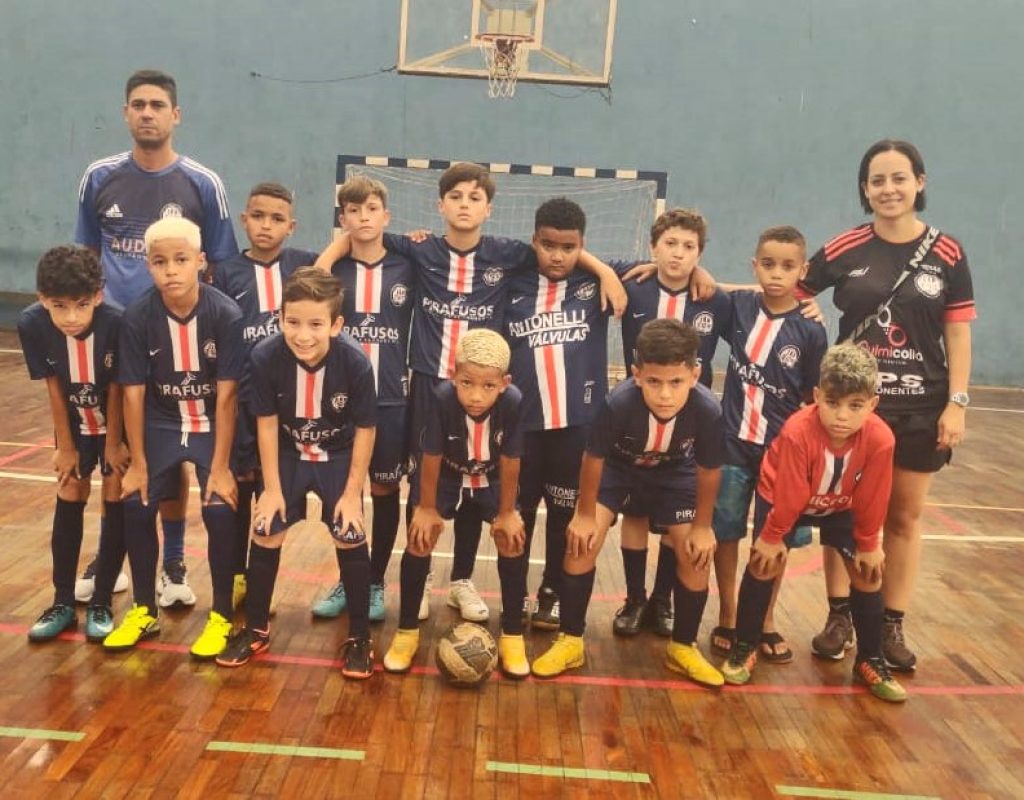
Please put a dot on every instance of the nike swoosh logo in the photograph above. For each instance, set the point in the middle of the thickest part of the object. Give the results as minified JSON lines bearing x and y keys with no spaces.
{"x":454,"y":438}
{"x":638,"y":316}
{"x":517,"y":299}
{"x":243,"y":294}
{"x":154,"y":352}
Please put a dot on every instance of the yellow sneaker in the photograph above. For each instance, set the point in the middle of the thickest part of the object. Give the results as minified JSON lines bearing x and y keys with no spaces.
{"x":565,"y":653}
{"x":402,"y":651}
{"x":687,"y":660}
{"x":138,"y":624}
{"x":213,"y":639}
{"x":512,"y":656}
{"x":238,"y":592}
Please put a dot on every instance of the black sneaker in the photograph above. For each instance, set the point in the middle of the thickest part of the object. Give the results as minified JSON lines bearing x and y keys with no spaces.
{"x":242,"y":646}
{"x":628,"y":618}
{"x":357,"y":659}
{"x":897,"y":655}
{"x":659,"y":617}
{"x":547,"y":616}
{"x":529,"y":607}
{"x":836,"y":637}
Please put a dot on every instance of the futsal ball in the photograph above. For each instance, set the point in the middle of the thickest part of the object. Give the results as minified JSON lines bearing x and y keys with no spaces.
{"x":466,"y":654}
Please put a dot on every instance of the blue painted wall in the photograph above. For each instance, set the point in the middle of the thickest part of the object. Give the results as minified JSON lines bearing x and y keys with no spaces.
{"x":758,"y":110}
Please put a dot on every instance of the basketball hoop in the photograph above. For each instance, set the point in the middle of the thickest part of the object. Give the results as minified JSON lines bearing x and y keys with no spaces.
{"x":504,"y":54}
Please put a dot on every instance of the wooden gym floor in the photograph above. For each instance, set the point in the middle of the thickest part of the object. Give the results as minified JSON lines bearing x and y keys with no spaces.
{"x":77,"y":723}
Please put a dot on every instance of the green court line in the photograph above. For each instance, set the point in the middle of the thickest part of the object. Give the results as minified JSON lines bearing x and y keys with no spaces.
{"x":844,"y":794}
{"x":569,"y":772}
{"x":42,"y":733}
{"x":287,"y":750}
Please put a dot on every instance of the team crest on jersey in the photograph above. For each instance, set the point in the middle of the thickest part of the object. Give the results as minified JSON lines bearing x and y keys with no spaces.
{"x":928,"y":285}
{"x":704,"y":323}
{"x":586,"y":291}
{"x":339,"y":400}
{"x":492,"y":276}
{"x":171,"y":210}
{"x":108,"y":359}
{"x":399,"y":294}
{"x":789,"y":356}
{"x":210,"y":349}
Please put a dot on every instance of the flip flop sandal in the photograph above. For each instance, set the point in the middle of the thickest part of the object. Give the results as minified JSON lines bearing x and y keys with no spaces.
{"x":722,"y":640}
{"x":774,"y":649}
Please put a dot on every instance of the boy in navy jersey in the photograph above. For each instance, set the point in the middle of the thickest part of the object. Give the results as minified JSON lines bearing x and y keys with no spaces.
{"x":831,"y":465}
{"x":774,"y":357}
{"x":69,"y":339}
{"x":471,"y":450}
{"x":377,"y":309}
{"x":678,"y":237}
{"x":315,"y":406}
{"x":656,"y":444}
{"x":254,"y":279}
{"x":558,"y":335}
{"x":181,"y":359}
{"x":462,"y":283}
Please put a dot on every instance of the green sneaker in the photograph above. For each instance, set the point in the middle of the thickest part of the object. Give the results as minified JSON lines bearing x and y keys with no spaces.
{"x":874,"y":673}
{"x":376,"y":602}
{"x":333,"y":604}
{"x":739,"y":666}
{"x":52,"y":623}
{"x":99,"y":623}
{"x":138,"y":624}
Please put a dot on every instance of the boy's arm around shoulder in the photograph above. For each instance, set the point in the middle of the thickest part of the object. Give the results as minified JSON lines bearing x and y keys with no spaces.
{"x":613,"y":293}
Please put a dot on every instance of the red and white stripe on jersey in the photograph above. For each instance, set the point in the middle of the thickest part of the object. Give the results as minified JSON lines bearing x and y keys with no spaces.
{"x":549,"y":360}
{"x":369,"y":287}
{"x":82,"y":369}
{"x":830,"y":483}
{"x":478,"y":448}
{"x":671,"y":306}
{"x":659,"y":434}
{"x":948,"y":249}
{"x":461,"y":269}
{"x":185,"y":348}
{"x":844,"y":241}
{"x":268,"y":286}
{"x":754,"y":425}
{"x":309,"y":389}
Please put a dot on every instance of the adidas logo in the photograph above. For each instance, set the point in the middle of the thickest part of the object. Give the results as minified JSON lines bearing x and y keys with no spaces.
{"x":114,"y":212}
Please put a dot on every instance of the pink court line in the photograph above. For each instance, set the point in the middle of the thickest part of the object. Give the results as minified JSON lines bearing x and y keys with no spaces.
{"x":25,"y":451}
{"x":605,"y":681}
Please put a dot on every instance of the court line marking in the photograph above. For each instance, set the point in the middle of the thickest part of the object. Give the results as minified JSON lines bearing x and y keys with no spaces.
{"x":843,"y":794}
{"x":569,"y":772}
{"x":41,"y":733}
{"x":287,"y":750}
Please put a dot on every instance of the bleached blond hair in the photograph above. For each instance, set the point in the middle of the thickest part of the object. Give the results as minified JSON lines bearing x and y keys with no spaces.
{"x":174,"y":228}
{"x":484,"y":348}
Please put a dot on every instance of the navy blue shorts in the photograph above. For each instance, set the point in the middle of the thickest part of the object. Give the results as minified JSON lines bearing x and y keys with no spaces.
{"x":550,"y":467}
{"x":90,"y":453}
{"x":166,"y":451}
{"x":245,"y":455}
{"x":390,"y":445}
{"x":665,"y":498}
{"x":836,"y":529}
{"x":421,"y":399}
{"x":451,"y":494}
{"x":326,"y":479}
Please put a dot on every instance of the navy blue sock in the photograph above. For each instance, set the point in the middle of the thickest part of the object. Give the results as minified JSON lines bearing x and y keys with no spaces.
{"x":143,"y":550}
{"x":386,"y":513}
{"x":219,"y":519}
{"x":575,"y":599}
{"x":529,"y":517}
{"x":413,"y":579}
{"x":634,"y":564}
{"x":243,"y":519}
{"x":754,"y":598}
{"x":174,"y":539}
{"x":261,"y":576}
{"x":510,"y":574}
{"x":665,"y":576}
{"x":469,"y":522}
{"x":869,"y":613}
{"x":839,"y":605}
{"x":341,"y":565}
{"x":357,"y":589}
{"x":65,"y":547}
{"x":111,"y":552}
{"x":554,"y":545}
{"x":689,"y":611}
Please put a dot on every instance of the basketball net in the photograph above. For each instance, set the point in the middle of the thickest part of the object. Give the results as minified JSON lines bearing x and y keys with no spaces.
{"x":504,"y":56}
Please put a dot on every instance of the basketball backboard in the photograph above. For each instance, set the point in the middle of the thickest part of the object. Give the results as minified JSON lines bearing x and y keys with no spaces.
{"x":565,"y":41}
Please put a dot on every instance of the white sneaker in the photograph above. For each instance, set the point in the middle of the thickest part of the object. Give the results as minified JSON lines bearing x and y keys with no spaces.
{"x":172,"y":588}
{"x":425,"y":600}
{"x":463,"y":596}
{"x":86,"y":585}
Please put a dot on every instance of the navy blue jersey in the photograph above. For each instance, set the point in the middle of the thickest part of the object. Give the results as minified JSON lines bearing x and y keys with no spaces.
{"x":256,"y":287}
{"x":318,"y":408}
{"x":85,"y":364}
{"x":378,"y":312}
{"x":180,"y":360}
{"x":774,"y":361}
{"x":908,"y":341}
{"x":456,"y":291}
{"x":627,"y":433}
{"x":559,"y":340}
{"x":118,"y":200}
{"x":649,"y":300}
{"x":470,"y":448}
